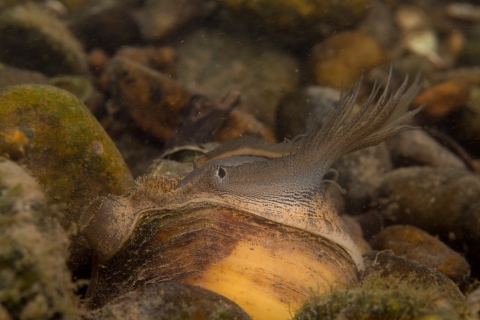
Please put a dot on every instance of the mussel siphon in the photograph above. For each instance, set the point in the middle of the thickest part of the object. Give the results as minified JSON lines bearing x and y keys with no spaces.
{"x":252,"y":222}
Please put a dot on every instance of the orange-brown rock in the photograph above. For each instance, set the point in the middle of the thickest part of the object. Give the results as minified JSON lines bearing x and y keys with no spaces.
{"x":443,"y":98}
{"x":343,"y":57}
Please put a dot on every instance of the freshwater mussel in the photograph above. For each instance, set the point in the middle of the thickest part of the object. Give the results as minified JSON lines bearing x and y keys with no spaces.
{"x":253,"y":222}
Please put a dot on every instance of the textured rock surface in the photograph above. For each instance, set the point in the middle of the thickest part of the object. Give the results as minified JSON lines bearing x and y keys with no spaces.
{"x":417,"y":245}
{"x":35,"y":281}
{"x":434,"y":200}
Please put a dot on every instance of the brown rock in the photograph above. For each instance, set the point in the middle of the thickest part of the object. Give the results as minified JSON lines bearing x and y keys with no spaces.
{"x":154,"y":100}
{"x":342,"y":58}
{"x":443,"y":98}
{"x":417,"y":245}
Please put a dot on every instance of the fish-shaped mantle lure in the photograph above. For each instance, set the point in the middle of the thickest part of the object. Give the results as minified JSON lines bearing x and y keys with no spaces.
{"x":274,"y":184}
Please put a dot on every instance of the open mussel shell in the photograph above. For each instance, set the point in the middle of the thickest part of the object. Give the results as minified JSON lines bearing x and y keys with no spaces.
{"x":266,"y":268}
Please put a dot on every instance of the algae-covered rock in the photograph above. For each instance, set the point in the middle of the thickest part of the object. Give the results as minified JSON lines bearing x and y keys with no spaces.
{"x":169,"y":300}
{"x":71,"y":155}
{"x":80,"y":86}
{"x":392,"y":288}
{"x":34,"y":280}
{"x":32,"y":39}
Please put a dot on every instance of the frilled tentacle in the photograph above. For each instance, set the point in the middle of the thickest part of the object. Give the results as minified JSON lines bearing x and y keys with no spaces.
{"x":372,"y":124}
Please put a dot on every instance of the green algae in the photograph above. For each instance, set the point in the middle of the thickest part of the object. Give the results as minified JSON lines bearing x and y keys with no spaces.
{"x":71,"y":155}
{"x":383,"y":298}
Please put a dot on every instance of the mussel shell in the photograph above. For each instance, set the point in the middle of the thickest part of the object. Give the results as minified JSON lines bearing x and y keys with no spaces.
{"x":265,"y":267}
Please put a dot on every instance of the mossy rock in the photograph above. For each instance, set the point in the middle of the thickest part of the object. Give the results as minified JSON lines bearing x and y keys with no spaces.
{"x":34,"y":280}
{"x":30,"y":38}
{"x":71,"y":155}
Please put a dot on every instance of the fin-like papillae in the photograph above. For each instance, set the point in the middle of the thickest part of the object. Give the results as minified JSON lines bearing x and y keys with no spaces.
{"x":335,"y":136}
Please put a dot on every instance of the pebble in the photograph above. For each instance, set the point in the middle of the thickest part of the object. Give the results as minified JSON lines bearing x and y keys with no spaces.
{"x":433,"y":199}
{"x":343,"y":57}
{"x":443,"y":98}
{"x":417,"y":245}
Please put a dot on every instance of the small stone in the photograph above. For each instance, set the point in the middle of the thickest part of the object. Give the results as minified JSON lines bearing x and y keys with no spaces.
{"x":153,"y":100}
{"x":159,"y":19}
{"x":416,"y":147}
{"x":360,"y":173}
{"x":214,"y":63}
{"x":169,"y":300}
{"x":342,"y":58}
{"x":32,"y":39}
{"x":299,"y":109}
{"x":443,"y":98}
{"x":417,"y":245}
{"x":433,"y":199}
{"x":239,"y":123}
